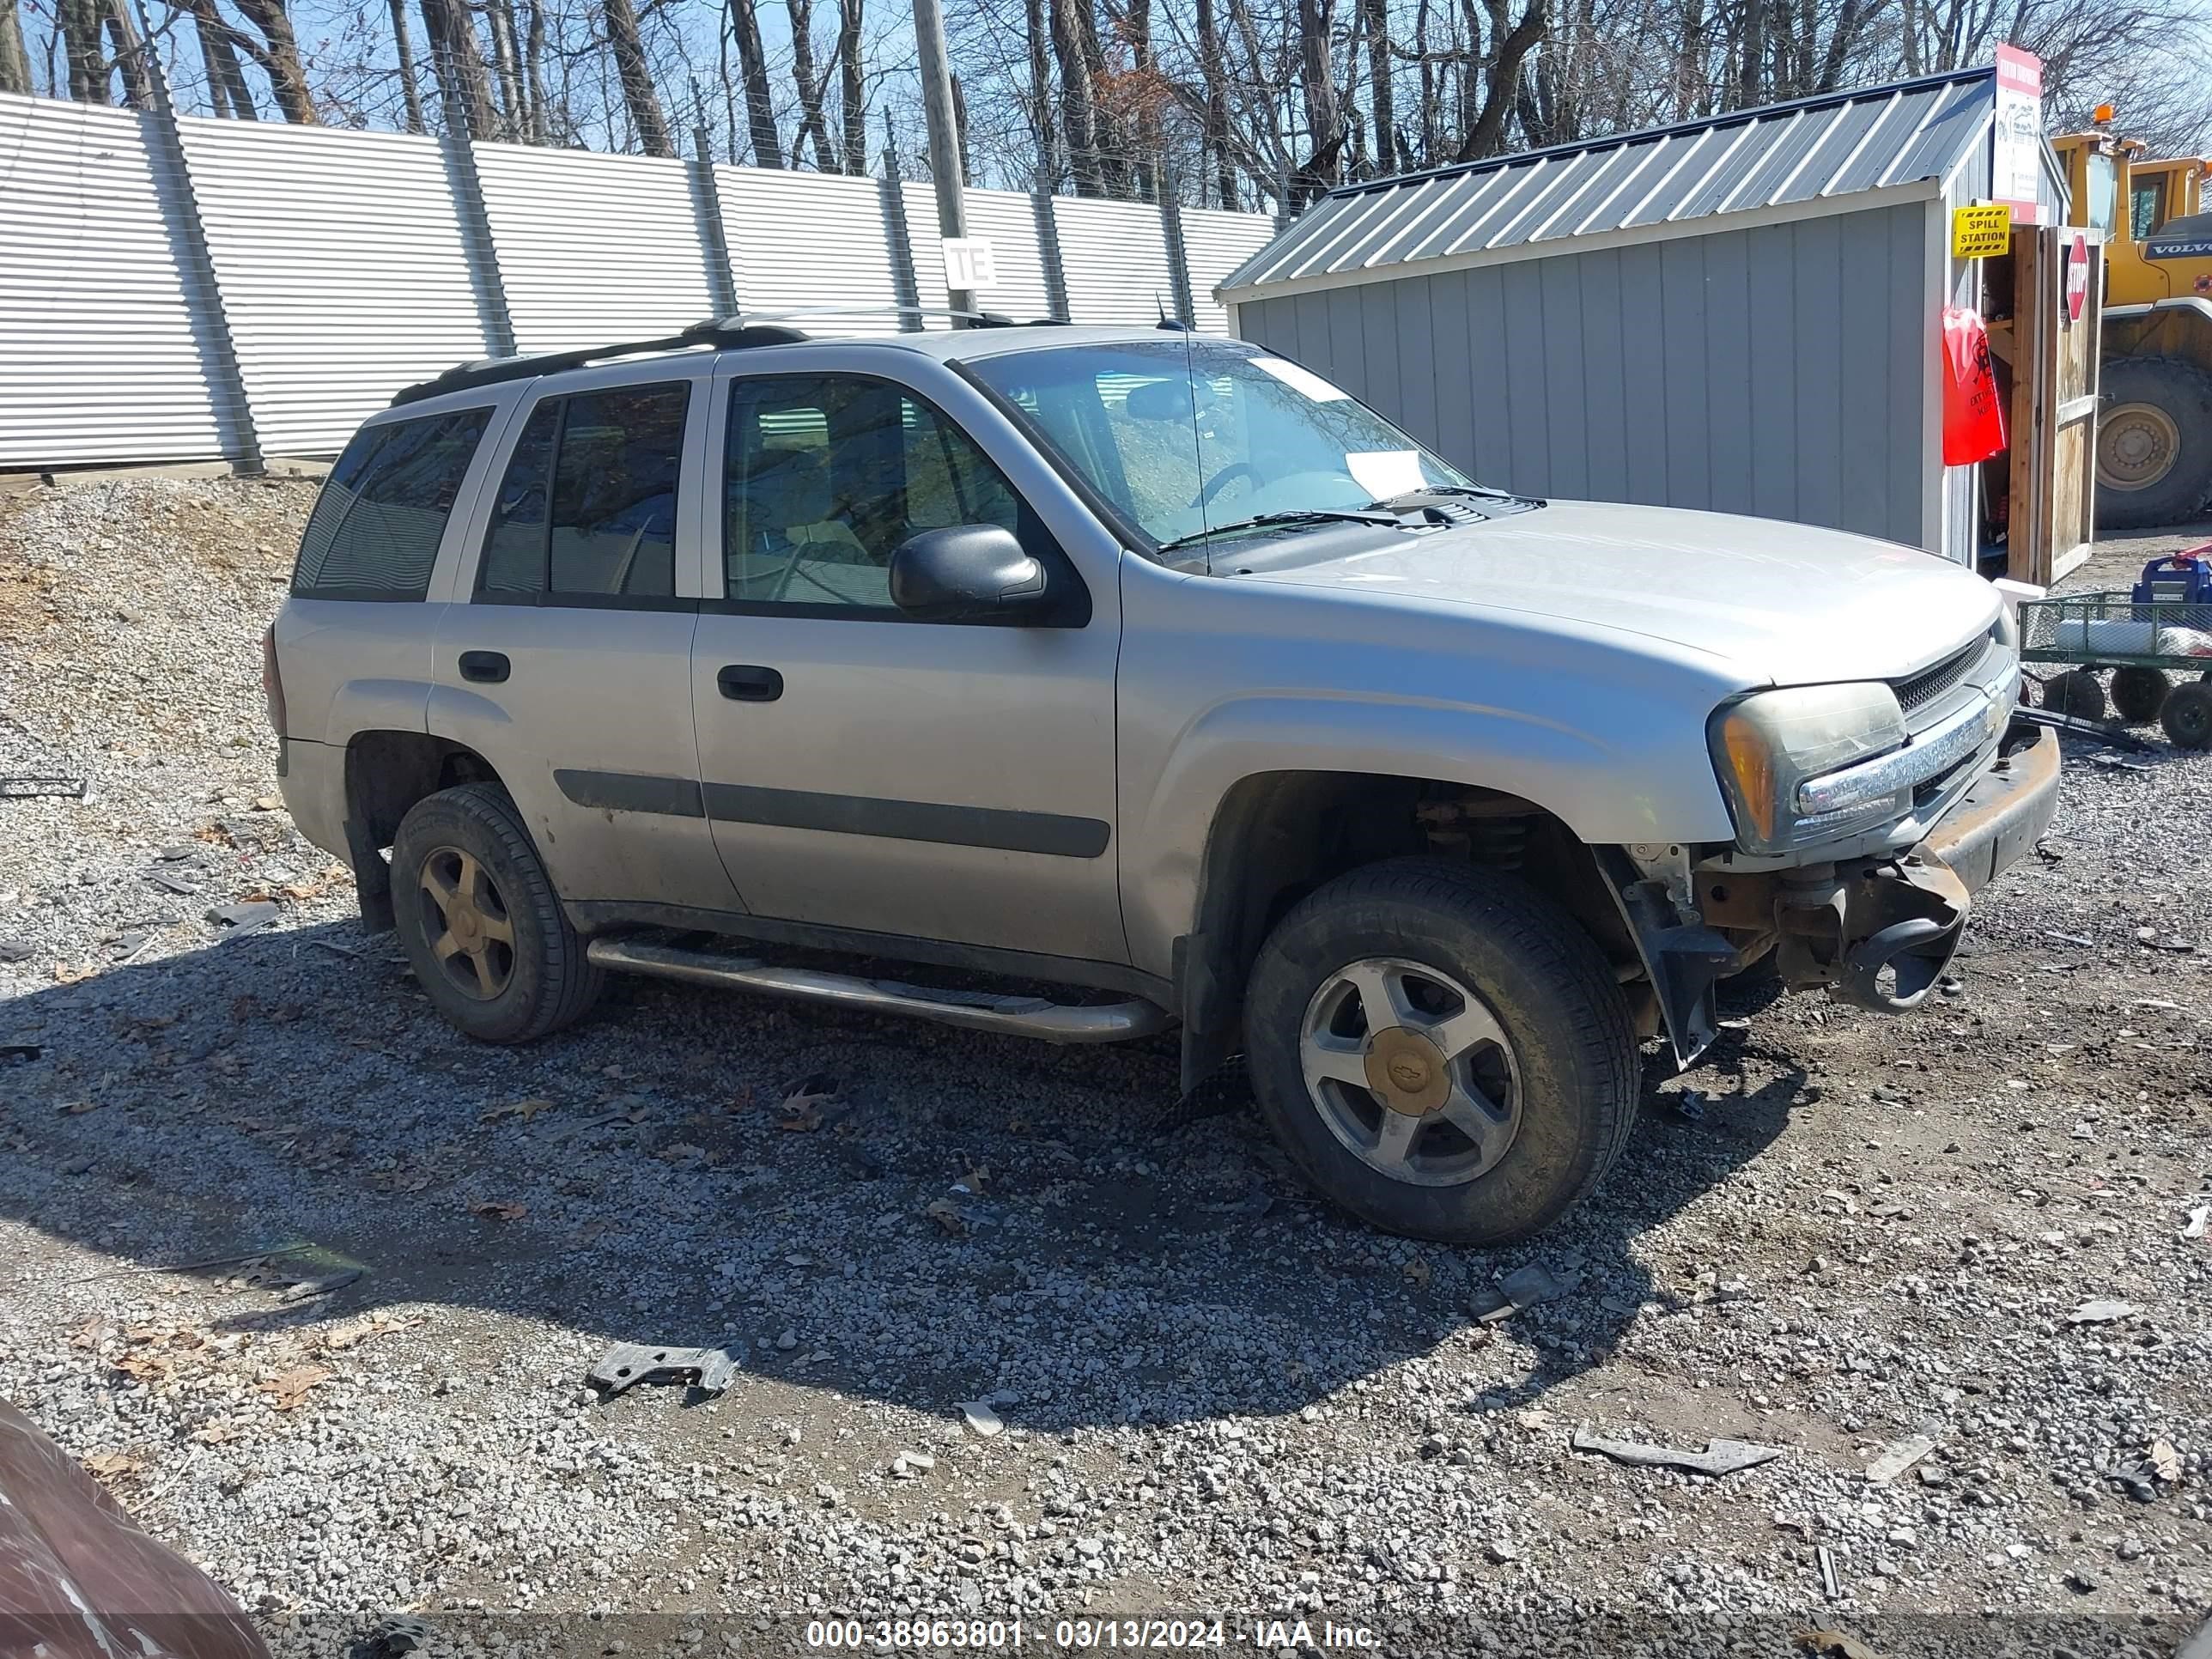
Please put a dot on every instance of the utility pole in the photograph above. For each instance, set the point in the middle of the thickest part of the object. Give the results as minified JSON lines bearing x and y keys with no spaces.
{"x":944,"y":135}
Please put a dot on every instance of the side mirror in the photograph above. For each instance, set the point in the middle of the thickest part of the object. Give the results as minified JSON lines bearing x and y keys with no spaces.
{"x":967,"y":573}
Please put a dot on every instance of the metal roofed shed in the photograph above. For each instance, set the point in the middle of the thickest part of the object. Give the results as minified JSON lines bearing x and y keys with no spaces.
{"x":1741,"y":313}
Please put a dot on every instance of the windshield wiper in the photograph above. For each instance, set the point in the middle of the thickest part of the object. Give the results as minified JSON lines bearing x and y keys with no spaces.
{"x":1303,"y":515}
{"x":1478,"y":492}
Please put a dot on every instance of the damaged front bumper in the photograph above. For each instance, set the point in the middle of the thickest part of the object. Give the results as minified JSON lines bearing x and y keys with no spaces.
{"x":1884,"y":938}
{"x":1876,"y":932}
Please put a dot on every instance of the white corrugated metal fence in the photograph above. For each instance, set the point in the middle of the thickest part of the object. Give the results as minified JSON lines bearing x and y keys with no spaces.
{"x":198,"y":289}
{"x":99,"y":362}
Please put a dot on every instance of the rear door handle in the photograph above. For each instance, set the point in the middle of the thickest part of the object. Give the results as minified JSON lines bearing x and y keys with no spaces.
{"x":745,"y":682}
{"x":486,"y":667}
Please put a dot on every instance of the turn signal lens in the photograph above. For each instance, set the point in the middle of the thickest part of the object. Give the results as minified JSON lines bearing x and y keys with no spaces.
{"x":1753,"y":763}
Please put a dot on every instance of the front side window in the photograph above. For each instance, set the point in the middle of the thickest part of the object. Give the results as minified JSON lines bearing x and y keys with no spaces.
{"x":1187,"y":437}
{"x":376,"y":527}
{"x":587,"y":509}
{"x":827,"y":474}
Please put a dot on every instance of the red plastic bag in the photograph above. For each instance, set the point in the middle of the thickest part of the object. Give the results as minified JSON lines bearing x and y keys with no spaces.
{"x":1973,"y":420}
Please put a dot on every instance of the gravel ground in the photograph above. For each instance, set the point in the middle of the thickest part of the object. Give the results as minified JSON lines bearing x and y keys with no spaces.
{"x":1210,"y":1395}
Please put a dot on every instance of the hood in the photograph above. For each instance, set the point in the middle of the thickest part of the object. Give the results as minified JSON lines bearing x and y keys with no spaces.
{"x":1784,"y":602}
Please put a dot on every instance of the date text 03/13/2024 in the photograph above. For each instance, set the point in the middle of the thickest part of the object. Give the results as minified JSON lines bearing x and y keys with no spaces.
{"x":1085,"y":1635}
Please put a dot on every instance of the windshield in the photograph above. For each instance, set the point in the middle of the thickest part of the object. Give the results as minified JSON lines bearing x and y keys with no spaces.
{"x":1192,"y":437}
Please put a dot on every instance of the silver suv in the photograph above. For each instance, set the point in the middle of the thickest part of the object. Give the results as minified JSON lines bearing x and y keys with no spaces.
{"x":1147,"y":666}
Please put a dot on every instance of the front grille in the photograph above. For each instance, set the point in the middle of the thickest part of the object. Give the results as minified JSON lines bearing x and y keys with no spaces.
{"x":1930,"y":684}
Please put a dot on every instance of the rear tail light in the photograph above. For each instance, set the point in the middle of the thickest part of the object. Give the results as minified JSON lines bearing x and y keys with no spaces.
{"x":272,"y":681}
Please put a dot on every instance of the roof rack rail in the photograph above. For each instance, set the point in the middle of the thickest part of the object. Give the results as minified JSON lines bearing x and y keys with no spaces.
{"x":720,"y":332}
{"x":808,"y":313}
{"x":744,"y":330}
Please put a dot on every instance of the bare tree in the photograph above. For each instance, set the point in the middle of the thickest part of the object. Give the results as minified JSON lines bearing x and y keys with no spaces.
{"x":130,"y":54}
{"x":1078,"y":103}
{"x":277,"y":52}
{"x":809,"y":82}
{"x":458,"y":64}
{"x":506,"y":66}
{"x":1374,"y":31}
{"x":639,"y":96}
{"x":78,"y":23}
{"x":760,"y":113}
{"x":851,"y":87}
{"x":411,"y":93}
{"x":14,"y":60}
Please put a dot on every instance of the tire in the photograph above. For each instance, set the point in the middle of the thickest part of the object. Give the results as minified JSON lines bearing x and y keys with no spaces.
{"x":2139,"y":693}
{"x":2187,"y":716}
{"x":2077,"y":691}
{"x":2153,"y":442}
{"x":1554,"y":1054}
{"x":470,"y":842}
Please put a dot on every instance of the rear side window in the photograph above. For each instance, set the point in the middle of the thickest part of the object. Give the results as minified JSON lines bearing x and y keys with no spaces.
{"x":375,"y":529}
{"x":587,"y":513}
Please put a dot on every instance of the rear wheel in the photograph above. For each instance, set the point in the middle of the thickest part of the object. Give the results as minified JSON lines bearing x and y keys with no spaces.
{"x":2187,"y":716}
{"x":1444,"y":1053}
{"x":2153,"y":442}
{"x":2078,"y":692}
{"x":478,"y":917}
{"x":2139,"y":693}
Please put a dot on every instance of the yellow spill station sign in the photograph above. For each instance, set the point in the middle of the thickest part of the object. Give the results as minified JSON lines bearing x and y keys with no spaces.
{"x":1981,"y":233}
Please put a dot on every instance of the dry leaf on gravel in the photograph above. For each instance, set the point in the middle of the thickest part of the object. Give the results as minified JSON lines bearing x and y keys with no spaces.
{"x":115,"y":1465}
{"x":68,"y":973}
{"x":976,"y":1182}
{"x":946,"y":1214}
{"x":525,"y":1110}
{"x":498,"y":1209}
{"x":2165,"y":1461}
{"x":1834,"y":1644}
{"x":354,"y":1331}
{"x":801,"y":1109}
{"x":1420,"y":1272}
{"x":216,"y":1433}
{"x":291,"y":1388}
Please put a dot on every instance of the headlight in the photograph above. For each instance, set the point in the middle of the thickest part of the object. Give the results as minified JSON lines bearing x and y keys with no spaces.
{"x":1766,"y":747}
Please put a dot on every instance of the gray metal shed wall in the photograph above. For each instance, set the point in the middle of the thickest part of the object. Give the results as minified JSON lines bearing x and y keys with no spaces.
{"x":1778,"y":370}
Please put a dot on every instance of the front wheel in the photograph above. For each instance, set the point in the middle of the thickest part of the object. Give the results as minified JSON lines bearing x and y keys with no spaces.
{"x":2153,"y":442}
{"x":1445,"y":1053}
{"x":479,"y":921}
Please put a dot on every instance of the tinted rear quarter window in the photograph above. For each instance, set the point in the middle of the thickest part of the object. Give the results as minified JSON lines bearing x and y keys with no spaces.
{"x":375,"y":529}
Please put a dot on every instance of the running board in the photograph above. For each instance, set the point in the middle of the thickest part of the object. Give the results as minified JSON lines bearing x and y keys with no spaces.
{"x":978,"y":1011}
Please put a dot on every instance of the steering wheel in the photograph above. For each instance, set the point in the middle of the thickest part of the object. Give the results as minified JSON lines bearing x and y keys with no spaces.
{"x":1228,"y":475}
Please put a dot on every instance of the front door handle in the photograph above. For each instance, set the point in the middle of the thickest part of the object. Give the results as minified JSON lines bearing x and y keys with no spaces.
{"x":486,"y":667}
{"x":745,"y":682}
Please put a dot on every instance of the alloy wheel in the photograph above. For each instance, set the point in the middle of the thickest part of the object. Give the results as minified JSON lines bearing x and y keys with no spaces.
{"x":1411,"y":1070}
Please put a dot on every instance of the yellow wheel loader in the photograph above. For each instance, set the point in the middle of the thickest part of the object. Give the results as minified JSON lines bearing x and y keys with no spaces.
{"x":2154,"y":432}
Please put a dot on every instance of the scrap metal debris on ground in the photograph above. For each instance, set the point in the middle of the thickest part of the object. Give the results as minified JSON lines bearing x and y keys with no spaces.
{"x":1719,"y":1456}
{"x":1898,"y":1459}
{"x":1521,"y":1289}
{"x":20,"y":786}
{"x":626,"y":1365}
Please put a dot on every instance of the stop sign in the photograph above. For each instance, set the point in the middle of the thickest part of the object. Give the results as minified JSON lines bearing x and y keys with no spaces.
{"x":2077,"y":277}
